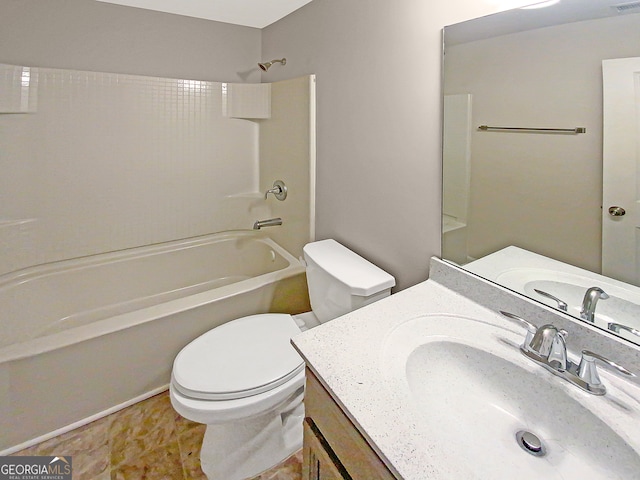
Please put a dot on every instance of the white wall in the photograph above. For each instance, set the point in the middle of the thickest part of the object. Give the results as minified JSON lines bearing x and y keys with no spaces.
{"x":103,"y":37}
{"x":378,"y":120}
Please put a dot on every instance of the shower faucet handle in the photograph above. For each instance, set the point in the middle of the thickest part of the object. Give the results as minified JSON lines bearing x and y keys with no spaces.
{"x":279,"y":190}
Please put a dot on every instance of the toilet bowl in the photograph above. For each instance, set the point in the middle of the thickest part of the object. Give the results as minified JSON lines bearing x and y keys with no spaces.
{"x":245,"y":381}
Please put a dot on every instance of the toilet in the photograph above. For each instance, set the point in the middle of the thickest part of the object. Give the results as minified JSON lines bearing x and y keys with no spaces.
{"x":245,"y":381}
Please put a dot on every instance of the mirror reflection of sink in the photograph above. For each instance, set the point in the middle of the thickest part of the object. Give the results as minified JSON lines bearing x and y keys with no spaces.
{"x":524,"y":272}
{"x":622,"y":306}
{"x":471,"y":392}
{"x":524,"y":279}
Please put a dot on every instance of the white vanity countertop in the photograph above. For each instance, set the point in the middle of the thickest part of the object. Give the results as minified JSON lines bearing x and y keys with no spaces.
{"x":351,"y":356}
{"x":345,"y":354}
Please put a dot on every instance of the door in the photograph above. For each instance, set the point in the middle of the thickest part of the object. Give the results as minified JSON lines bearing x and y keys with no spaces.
{"x":621,"y":169}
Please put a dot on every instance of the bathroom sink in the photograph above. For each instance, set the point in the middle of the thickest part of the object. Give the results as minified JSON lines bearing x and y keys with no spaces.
{"x":472,"y":395}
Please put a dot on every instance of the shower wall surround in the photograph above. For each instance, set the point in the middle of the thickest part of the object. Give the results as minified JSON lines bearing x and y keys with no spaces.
{"x":287,"y":152}
{"x":110,"y":161}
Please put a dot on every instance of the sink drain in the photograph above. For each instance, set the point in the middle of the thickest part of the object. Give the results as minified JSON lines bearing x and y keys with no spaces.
{"x":530,"y":443}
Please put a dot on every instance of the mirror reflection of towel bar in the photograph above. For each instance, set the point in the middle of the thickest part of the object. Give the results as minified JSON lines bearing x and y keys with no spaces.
{"x":575,"y":130}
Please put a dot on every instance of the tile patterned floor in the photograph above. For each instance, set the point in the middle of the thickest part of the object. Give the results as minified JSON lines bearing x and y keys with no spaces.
{"x":148,"y":440}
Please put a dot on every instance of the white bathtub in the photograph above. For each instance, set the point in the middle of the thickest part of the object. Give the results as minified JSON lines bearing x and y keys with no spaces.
{"x":83,"y":338}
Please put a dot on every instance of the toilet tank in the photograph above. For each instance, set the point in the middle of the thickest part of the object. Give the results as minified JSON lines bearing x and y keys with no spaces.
{"x":341,"y":281}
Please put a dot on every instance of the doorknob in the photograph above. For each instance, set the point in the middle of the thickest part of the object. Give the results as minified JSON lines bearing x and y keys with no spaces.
{"x":616,"y":211}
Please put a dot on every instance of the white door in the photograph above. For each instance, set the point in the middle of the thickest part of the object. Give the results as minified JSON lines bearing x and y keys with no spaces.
{"x":621,"y":170}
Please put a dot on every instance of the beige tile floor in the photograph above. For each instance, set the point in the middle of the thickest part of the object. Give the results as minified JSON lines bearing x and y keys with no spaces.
{"x":148,"y":440}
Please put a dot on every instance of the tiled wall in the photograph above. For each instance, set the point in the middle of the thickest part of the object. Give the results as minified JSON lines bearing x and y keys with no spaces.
{"x":104,"y":161}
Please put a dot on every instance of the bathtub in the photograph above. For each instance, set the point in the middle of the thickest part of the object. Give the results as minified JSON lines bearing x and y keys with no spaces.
{"x":86,"y":337}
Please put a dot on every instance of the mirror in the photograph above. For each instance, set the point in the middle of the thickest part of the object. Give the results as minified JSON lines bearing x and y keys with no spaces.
{"x":533,"y":140}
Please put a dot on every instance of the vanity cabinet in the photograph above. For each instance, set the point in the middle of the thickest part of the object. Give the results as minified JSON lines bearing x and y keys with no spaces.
{"x":333,"y":448}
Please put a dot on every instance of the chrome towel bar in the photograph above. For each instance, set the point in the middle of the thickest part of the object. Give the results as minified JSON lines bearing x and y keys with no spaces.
{"x":575,"y":130}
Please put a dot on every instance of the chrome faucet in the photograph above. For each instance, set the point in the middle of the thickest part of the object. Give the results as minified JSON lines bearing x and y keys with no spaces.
{"x":547,"y":347}
{"x":556,"y":354}
{"x":591,"y":297}
{"x":272,"y":222}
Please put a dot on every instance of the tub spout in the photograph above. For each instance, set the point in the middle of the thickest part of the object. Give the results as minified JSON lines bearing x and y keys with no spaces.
{"x":272,"y":222}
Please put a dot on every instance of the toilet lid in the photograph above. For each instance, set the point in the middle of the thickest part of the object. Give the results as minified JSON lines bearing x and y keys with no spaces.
{"x":244,"y":357}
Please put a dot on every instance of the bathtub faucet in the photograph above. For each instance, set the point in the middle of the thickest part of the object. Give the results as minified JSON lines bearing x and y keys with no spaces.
{"x":279,"y":190}
{"x":272,"y":222}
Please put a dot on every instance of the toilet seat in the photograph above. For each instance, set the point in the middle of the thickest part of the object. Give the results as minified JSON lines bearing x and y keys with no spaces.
{"x":219,"y":412}
{"x":242,"y":358}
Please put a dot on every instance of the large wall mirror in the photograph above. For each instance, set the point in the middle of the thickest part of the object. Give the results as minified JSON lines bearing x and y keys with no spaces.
{"x":541,"y":155}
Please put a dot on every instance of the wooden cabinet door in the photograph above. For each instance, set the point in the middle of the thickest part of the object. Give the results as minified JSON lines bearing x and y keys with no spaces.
{"x":318,"y":464}
{"x":347,"y":450}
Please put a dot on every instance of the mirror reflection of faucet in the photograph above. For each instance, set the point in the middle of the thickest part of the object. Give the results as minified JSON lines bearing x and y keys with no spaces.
{"x":591,"y":297}
{"x":617,"y":328}
{"x":562,"y":305}
{"x":279,"y":190}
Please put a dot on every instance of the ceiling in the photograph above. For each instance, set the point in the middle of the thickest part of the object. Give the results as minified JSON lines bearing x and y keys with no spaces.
{"x":250,"y":13}
{"x":521,"y":19}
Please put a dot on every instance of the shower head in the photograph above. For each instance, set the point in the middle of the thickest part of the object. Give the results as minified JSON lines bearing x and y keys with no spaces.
{"x":265,"y":66}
